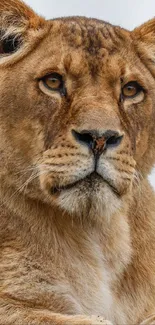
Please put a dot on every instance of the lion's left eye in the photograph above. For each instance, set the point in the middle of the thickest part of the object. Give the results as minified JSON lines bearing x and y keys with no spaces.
{"x":131,"y":89}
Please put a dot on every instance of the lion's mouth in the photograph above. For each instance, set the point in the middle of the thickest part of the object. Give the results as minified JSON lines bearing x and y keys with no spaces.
{"x":88,"y":181}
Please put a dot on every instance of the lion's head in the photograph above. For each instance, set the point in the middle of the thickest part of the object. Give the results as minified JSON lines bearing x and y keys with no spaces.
{"x":77,"y":109}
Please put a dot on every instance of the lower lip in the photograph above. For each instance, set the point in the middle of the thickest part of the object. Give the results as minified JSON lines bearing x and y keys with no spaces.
{"x":89,"y":178}
{"x":57,"y":190}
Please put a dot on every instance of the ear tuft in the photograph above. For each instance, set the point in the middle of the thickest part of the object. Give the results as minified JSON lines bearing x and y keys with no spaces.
{"x":10,"y":44}
{"x":144,"y":42}
{"x":16,"y":12}
{"x":17,"y":20}
{"x":145,"y":32}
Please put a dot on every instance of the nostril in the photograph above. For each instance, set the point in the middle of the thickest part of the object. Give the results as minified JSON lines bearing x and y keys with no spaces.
{"x":83,"y":137}
{"x":96,"y":142}
{"x":114,"y":140}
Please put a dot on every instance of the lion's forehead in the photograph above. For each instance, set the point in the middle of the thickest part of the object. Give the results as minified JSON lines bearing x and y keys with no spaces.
{"x":87,"y":43}
{"x":91,"y":35}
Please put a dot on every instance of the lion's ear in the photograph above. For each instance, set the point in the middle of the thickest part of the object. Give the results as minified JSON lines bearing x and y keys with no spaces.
{"x":17,"y":22}
{"x":144,"y":41}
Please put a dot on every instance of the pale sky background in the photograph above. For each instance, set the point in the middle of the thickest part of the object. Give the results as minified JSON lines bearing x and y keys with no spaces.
{"x":126,"y":13}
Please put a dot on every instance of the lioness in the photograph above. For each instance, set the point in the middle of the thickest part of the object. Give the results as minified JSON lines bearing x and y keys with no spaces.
{"x":77,"y":142}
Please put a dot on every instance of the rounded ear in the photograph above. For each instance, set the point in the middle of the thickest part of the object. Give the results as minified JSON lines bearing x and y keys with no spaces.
{"x":146,"y":32}
{"x":17,"y":22}
{"x":144,"y":41}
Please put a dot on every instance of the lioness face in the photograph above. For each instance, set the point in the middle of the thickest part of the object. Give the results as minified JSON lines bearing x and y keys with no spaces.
{"x":75,"y":114}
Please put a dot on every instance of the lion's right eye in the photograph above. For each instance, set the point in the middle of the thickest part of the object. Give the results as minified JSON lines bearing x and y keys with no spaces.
{"x":54,"y":82}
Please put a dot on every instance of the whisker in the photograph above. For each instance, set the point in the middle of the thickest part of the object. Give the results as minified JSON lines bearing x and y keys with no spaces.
{"x":26,"y":183}
{"x":128,"y":172}
{"x":137,"y":181}
{"x":122,"y":161}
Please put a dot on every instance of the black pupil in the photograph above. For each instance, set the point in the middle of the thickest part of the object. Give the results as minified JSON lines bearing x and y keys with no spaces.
{"x":131,"y":88}
{"x":54,"y":80}
{"x":57,"y":80}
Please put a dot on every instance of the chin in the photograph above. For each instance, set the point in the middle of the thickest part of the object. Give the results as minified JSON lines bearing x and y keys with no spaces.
{"x":88,"y":199}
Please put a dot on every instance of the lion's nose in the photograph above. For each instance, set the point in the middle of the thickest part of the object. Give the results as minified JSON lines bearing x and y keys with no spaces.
{"x":98,"y":143}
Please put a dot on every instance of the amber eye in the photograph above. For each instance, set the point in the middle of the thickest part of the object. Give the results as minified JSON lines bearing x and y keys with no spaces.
{"x":54,"y":81}
{"x":131,"y":89}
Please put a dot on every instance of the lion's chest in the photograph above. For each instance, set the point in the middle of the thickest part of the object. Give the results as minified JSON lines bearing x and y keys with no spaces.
{"x":87,"y":284}
{"x":93,"y":293}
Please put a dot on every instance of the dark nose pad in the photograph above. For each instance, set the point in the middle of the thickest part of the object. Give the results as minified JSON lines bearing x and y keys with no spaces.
{"x":98,"y":143}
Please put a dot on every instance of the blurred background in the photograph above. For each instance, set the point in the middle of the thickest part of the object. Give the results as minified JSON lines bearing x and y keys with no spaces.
{"x":126,"y":13}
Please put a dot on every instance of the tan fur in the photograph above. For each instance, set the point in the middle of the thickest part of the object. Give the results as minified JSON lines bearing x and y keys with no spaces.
{"x":90,"y":249}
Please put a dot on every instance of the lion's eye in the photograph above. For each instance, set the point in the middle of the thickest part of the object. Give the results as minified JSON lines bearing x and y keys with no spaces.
{"x":54,"y":81}
{"x":131,"y":89}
